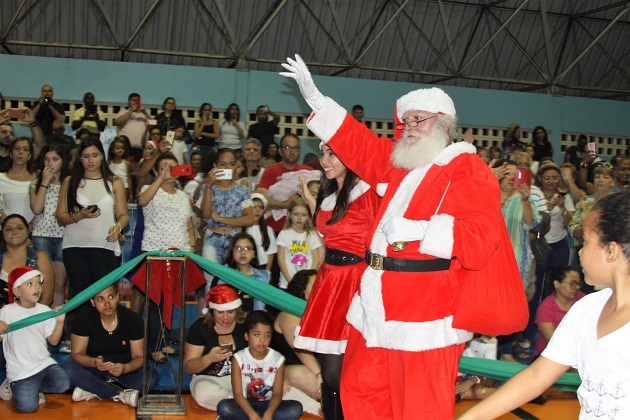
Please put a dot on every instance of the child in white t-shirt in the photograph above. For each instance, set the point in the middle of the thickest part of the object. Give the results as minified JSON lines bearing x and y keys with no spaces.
{"x":30,"y":369}
{"x":297,"y":243}
{"x":594,"y":335}
{"x":258,"y":377}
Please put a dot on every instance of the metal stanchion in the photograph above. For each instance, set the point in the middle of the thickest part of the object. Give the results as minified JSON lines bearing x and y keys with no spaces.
{"x":163,"y":404}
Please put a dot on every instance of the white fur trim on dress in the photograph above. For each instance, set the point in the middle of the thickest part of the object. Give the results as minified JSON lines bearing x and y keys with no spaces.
{"x":357,"y":191}
{"x":319,"y":345}
{"x":327,"y":121}
{"x":452,"y":151}
{"x":381,"y":189}
{"x":438,"y":240}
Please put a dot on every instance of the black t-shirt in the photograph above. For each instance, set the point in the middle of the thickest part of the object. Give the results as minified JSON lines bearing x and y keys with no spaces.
{"x":45,"y":116}
{"x":200,"y":335}
{"x":264,"y":132}
{"x":116,"y":347}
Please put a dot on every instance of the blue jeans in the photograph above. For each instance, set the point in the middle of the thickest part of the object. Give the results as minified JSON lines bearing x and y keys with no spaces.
{"x":215,"y":248}
{"x":287,"y":410}
{"x":52,"y":380}
{"x":94,"y":381}
{"x":52,"y":246}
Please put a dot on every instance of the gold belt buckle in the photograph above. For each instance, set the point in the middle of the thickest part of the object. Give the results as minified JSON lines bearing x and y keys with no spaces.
{"x":376,"y":261}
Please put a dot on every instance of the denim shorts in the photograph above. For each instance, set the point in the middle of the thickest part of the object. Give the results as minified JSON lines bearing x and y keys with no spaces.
{"x":52,"y":246}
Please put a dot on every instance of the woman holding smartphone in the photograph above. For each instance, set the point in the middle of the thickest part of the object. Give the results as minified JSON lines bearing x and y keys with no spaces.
{"x":93,"y":208}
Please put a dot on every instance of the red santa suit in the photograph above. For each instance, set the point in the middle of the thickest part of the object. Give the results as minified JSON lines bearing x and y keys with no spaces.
{"x":401,"y":361}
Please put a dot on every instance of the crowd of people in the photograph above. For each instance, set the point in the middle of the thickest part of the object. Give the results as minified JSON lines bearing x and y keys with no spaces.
{"x":346,"y":232}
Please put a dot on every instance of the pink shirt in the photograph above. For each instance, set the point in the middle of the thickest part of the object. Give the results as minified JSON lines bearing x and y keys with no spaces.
{"x":549,"y":311}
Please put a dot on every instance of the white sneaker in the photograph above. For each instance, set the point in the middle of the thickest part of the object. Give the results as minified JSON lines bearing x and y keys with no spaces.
{"x":5,"y":390}
{"x":65,"y":347}
{"x":82,"y":395}
{"x":128,"y":396}
{"x":42,"y":399}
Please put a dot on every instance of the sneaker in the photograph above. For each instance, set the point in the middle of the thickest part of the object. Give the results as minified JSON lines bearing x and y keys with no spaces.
{"x":128,"y":396}
{"x":5,"y":390}
{"x":65,"y":347}
{"x":82,"y":395}
{"x":42,"y":399}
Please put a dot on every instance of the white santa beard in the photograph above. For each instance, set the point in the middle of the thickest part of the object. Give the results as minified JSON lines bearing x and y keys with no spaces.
{"x":415,"y":150}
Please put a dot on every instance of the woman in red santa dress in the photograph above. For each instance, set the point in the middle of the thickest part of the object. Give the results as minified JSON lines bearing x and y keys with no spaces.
{"x":344,"y":209}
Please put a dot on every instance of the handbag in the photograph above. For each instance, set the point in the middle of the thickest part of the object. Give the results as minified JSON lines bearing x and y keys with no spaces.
{"x":539,"y":246}
{"x":541,"y":249}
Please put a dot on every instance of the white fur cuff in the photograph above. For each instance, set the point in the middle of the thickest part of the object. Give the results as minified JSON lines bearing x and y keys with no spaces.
{"x":325,"y":122}
{"x":438,"y":240}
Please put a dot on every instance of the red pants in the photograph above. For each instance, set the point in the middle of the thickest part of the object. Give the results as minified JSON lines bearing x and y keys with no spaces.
{"x":379,"y":383}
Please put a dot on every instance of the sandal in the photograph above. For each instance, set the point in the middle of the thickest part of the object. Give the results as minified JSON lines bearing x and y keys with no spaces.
{"x":159,"y":358}
{"x":521,"y":354}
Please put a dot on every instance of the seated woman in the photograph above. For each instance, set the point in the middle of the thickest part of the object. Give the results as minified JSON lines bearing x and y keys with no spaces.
{"x":17,"y":253}
{"x":211,"y":341}
{"x":566,"y":284}
{"x":107,"y":344}
{"x":302,"y":371}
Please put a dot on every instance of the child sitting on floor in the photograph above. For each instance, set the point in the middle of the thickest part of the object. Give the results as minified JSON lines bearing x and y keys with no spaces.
{"x":30,"y":369}
{"x":258,"y":376}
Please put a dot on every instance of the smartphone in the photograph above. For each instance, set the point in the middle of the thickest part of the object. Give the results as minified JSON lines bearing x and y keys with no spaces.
{"x":182,"y":170}
{"x":592,"y":149}
{"x":17,"y":113}
{"x":151,"y":122}
{"x":137,"y":101}
{"x":227,"y":174}
{"x":522,"y":176}
{"x":92,"y":208}
{"x":227,"y":346}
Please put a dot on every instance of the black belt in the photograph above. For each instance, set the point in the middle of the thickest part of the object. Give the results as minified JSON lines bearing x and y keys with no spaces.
{"x":380,"y":262}
{"x":339,"y":257}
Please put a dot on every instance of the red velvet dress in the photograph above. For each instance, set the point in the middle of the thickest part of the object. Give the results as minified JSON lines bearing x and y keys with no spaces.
{"x":324,"y":328}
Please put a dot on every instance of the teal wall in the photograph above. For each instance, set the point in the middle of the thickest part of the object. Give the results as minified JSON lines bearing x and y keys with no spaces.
{"x":22,"y":76}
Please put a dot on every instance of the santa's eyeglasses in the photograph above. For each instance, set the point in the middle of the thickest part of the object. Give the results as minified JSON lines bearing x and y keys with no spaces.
{"x":412,"y":124}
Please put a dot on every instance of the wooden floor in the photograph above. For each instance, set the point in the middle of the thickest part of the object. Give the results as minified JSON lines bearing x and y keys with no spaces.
{"x":561,"y":405}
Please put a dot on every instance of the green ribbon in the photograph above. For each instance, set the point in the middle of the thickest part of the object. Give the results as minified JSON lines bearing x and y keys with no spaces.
{"x":273,"y":296}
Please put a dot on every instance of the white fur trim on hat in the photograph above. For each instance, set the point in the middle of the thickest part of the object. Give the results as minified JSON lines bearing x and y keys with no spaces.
{"x":433,"y":100}
{"x":226,"y":306}
{"x":261,"y":198}
{"x":27,"y":276}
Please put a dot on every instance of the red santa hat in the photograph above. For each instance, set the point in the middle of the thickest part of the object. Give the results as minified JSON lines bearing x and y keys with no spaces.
{"x":262,"y":198}
{"x":433,"y":100}
{"x":153,"y":143}
{"x":222,"y":298}
{"x":21,"y":275}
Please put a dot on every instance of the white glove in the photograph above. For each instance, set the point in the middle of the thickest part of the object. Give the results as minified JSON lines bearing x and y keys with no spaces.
{"x":397,"y":229}
{"x":299,"y":72}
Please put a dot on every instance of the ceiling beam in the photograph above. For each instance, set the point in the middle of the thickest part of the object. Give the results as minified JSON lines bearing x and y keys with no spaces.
{"x":447,"y":33}
{"x":592,"y":43}
{"x":342,"y":37}
{"x":142,"y":25}
{"x":262,"y":26}
{"x":104,"y":21}
{"x":489,"y":41}
{"x":544,"y":21}
{"x":392,"y":19}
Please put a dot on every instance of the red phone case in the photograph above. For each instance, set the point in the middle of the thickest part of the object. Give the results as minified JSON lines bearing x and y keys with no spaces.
{"x":181,"y":170}
{"x":522,"y":176}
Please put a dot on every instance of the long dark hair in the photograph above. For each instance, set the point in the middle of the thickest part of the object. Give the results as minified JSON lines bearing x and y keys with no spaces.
{"x":262,"y":225}
{"x":110,"y":152}
{"x":557,"y":273}
{"x":62,"y":152}
{"x":329,"y":187}
{"x":226,"y":115}
{"x":613,"y":220}
{"x":77,"y":175}
{"x":229,"y":259}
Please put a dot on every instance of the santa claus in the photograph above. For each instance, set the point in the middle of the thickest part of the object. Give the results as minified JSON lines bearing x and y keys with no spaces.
{"x":438,"y":255}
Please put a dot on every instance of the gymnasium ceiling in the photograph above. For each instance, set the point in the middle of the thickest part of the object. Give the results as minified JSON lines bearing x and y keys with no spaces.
{"x":560,"y":47}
